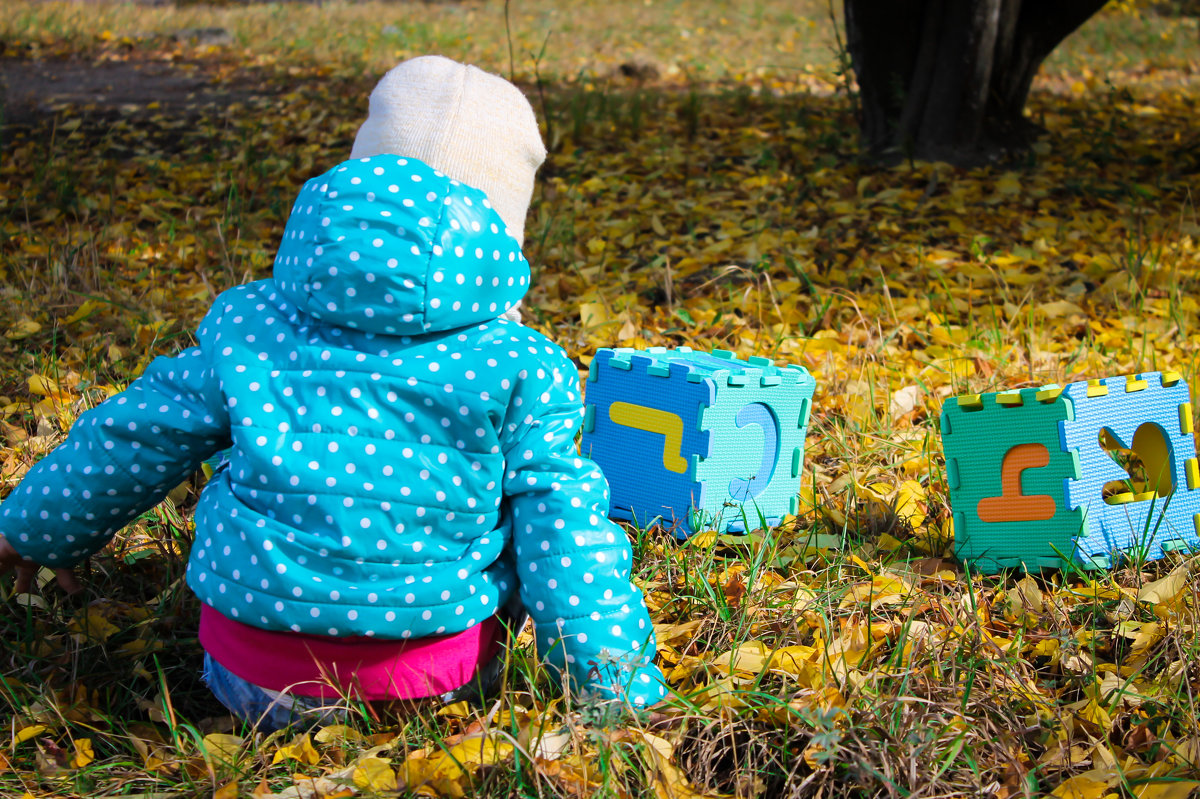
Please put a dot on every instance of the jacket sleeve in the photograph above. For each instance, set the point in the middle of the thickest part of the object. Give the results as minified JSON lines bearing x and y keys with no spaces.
{"x":119,"y":460}
{"x":573,"y":564}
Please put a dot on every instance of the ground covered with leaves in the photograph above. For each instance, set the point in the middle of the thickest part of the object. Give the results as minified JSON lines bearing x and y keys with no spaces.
{"x":702,"y":189}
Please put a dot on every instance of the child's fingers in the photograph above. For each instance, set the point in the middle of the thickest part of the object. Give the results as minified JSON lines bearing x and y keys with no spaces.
{"x":25,"y":574}
{"x":9,"y":558}
{"x":27,"y":571}
{"x":66,"y":581}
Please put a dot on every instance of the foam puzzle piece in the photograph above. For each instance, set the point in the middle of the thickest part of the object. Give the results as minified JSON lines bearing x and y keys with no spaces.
{"x":999,"y":502}
{"x":1032,"y":483}
{"x":1151,"y":415}
{"x":694,"y":440}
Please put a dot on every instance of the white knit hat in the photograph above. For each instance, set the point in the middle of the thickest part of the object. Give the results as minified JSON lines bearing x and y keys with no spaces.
{"x":474,"y":126}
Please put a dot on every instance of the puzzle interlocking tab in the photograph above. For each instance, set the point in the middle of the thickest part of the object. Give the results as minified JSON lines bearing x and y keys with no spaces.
{"x":692,"y":440}
{"x":1033,"y":484}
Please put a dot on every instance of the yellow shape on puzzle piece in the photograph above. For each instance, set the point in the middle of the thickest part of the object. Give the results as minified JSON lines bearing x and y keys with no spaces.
{"x":1151,"y":445}
{"x":653,"y":420}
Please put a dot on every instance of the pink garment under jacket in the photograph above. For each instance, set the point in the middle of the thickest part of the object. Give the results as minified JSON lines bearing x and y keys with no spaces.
{"x":370,"y":668}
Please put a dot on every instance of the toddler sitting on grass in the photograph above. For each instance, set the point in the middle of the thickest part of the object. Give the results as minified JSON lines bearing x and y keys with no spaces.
{"x":401,"y":480}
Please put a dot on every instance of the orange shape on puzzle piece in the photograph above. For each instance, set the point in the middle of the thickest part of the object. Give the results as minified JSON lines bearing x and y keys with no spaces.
{"x":1012,"y":505}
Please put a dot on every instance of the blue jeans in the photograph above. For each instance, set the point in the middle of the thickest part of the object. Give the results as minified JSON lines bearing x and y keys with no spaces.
{"x":264,"y":709}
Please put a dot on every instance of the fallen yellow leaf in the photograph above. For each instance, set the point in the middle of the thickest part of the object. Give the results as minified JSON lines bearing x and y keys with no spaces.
{"x":1081,"y":787}
{"x":223,"y":748}
{"x":93,"y":625}
{"x":42,"y":385}
{"x":448,"y":771}
{"x":1173,"y":789}
{"x":227,"y":791}
{"x":300,"y":749}
{"x":455,"y":709}
{"x":910,"y":502}
{"x":592,"y":314}
{"x":24,"y":328}
{"x":25,"y":733}
{"x":1166,"y":588}
{"x":374,"y":774}
{"x":83,"y":753}
{"x":669,"y":781}
{"x":750,"y":657}
{"x":1009,"y":183}
{"x":336,"y":733}
{"x":1059,"y":309}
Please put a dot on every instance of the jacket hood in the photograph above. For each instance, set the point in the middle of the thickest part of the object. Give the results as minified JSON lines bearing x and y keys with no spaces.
{"x":390,"y":245}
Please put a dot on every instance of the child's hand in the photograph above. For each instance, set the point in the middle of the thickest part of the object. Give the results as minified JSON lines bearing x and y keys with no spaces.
{"x":27,"y":569}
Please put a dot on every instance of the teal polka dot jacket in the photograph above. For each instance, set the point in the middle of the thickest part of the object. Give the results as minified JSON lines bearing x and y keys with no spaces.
{"x":400,"y":460}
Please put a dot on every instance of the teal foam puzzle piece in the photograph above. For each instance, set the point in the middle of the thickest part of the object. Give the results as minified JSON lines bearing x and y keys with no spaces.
{"x":1026,"y":523}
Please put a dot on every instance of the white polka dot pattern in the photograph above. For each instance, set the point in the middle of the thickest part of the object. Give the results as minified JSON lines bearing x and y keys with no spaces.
{"x":389,"y":245}
{"x":373,"y":483}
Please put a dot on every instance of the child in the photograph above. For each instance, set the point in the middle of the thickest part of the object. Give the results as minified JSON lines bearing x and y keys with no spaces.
{"x":401,"y":476}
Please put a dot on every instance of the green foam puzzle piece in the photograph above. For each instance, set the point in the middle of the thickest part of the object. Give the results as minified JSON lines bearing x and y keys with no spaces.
{"x":977,"y":435}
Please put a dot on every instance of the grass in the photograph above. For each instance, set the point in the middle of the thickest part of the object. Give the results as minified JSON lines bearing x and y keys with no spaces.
{"x":705,"y":195}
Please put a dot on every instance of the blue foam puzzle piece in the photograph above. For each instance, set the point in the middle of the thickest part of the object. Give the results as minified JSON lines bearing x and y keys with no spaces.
{"x":642,"y":489}
{"x":1124,"y":406}
{"x":759,"y":421}
{"x":743,"y":429}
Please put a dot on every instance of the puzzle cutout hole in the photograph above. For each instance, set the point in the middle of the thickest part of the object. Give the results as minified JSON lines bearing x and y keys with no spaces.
{"x":1146,"y":461}
{"x":745,"y":489}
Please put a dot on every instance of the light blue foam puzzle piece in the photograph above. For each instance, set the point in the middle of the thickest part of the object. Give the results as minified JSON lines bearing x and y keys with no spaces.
{"x":744,"y":424}
{"x":1122,"y":406}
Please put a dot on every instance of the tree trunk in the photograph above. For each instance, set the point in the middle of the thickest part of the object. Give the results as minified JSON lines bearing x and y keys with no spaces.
{"x":947,"y":80}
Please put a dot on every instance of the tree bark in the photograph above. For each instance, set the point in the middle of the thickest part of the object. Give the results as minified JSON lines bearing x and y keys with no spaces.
{"x":948,"y":79}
